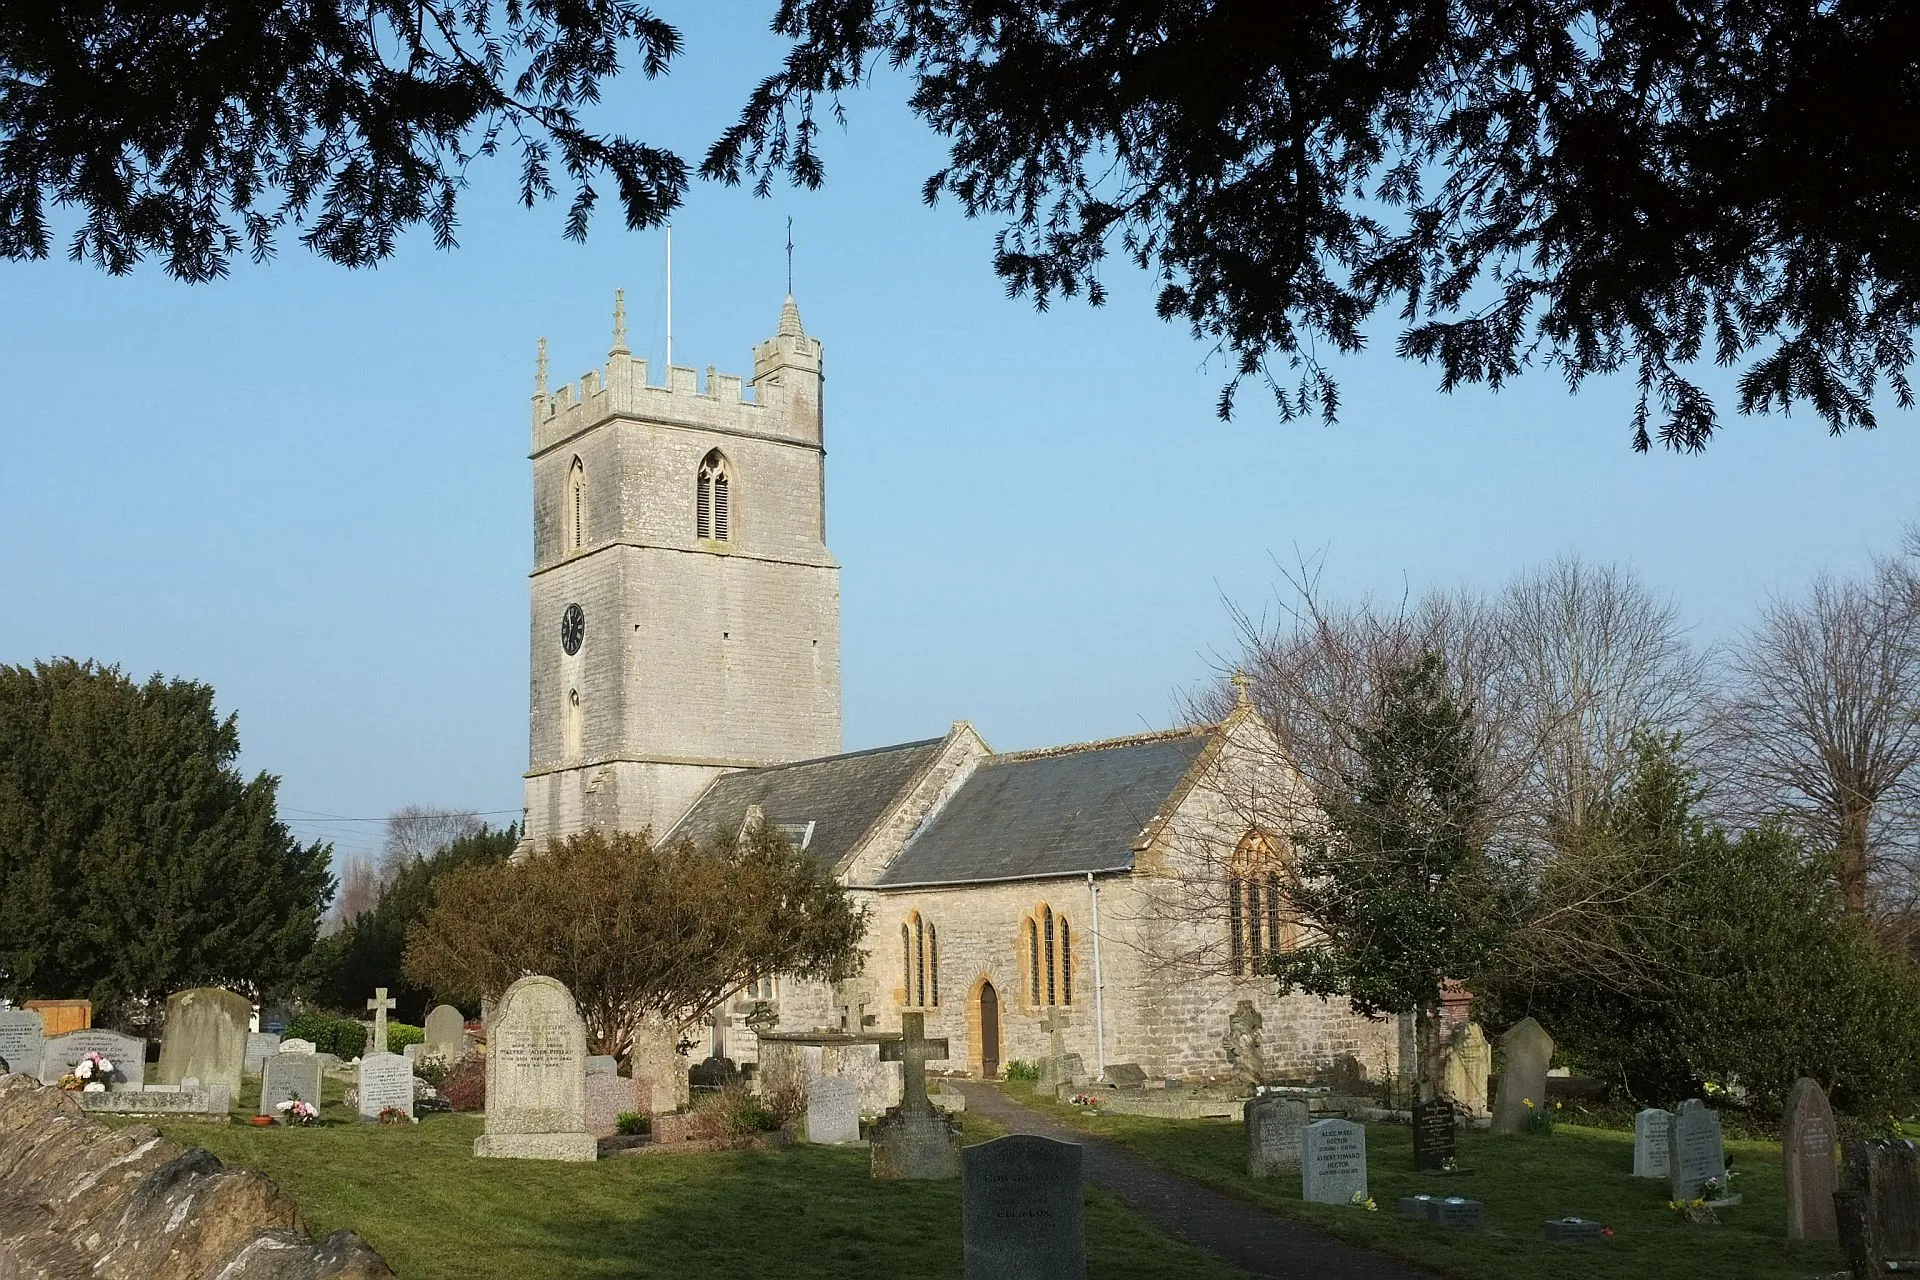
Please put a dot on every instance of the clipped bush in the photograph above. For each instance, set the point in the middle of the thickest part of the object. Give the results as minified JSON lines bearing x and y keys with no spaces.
{"x":466,"y":1086}
{"x":632,"y":1123}
{"x":400,"y":1035}
{"x":330,"y":1033}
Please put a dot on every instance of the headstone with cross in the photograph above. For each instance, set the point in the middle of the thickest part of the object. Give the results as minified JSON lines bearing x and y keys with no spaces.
{"x":852,"y":1004}
{"x":1060,"y":1067}
{"x":917,"y":1143}
{"x":379,"y":1004}
{"x":914,"y":1051}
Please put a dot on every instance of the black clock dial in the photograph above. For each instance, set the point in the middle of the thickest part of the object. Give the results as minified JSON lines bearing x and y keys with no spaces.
{"x":573,"y":629}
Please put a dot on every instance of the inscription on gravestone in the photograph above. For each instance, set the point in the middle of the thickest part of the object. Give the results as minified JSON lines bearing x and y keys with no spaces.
{"x":260,"y":1046}
{"x":833,"y":1110}
{"x":1809,"y":1151}
{"x":1696,"y":1155}
{"x":1333,"y":1162}
{"x":1529,"y":1051}
{"x":288,"y":1076}
{"x":1433,"y":1134}
{"x":1652,"y":1130}
{"x":1023,"y":1210}
{"x":386,"y":1080}
{"x":128,"y":1056}
{"x":536,"y":1076}
{"x":1273,"y":1126}
{"x":23,"y":1040}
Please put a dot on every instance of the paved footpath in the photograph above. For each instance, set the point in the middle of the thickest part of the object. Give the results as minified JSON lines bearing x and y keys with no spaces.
{"x":1249,"y":1237}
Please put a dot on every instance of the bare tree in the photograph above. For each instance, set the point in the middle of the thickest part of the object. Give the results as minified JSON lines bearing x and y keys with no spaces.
{"x":1589,"y":658}
{"x":359,"y":890}
{"x":1825,"y":717}
{"x":416,"y":831}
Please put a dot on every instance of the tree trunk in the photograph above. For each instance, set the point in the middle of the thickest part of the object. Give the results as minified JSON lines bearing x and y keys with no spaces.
{"x":1429,"y":1052}
{"x":1852,"y":854}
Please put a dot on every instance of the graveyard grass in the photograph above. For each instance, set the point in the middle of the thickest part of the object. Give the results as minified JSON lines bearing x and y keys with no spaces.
{"x":436,"y":1212}
{"x":1523,"y":1181}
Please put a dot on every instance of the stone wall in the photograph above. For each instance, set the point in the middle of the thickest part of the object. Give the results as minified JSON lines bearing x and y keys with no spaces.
{"x":78,"y":1198}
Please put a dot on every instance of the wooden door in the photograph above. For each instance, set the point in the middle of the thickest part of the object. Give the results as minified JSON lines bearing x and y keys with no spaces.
{"x":989,"y":1032}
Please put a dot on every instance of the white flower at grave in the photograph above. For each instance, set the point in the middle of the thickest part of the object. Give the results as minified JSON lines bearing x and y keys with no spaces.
{"x":83,"y":1069}
{"x":95,"y":1087}
{"x":106,"y":1068}
{"x":283,"y":1106}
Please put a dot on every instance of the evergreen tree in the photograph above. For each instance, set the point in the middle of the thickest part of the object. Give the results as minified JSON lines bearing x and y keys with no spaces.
{"x":1395,"y":890}
{"x":134,"y":858}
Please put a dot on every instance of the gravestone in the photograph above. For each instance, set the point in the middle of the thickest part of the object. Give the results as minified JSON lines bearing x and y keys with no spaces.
{"x":286,"y":1076}
{"x":1466,"y":1068}
{"x":1695,"y":1153}
{"x":1433,"y":1134}
{"x":205,"y":1037}
{"x":1457,"y":1213}
{"x":1055,"y":1069}
{"x":128,"y":1056}
{"x":23,"y":1041}
{"x":1529,"y":1051}
{"x":602,"y":1064}
{"x":833,"y":1110}
{"x":1126,"y":1075}
{"x":1651,"y":1132}
{"x":1273,"y":1125}
{"x":607,"y":1096}
{"x":445,"y":1031}
{"x":1333,"y":1162}
{"x":1878,"y":1206}
{"x":385,"y":1080}
{"x":1573,"y":1230}
{"x":210,"y":1103}
{"x":260,"y":1046}
{"x":377,"y":1037}
{"x":536,"y":1076}
{"x":1023,"y":1210}
{"x":916,"y":1141}
{"x":298,"y":1046}
{"x":1809,"y":1148}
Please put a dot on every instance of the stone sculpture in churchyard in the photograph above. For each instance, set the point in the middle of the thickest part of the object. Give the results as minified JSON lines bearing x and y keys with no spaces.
{"x":1273,"y":1125}
{"x":536,"y":1076}
{"x":260,"y":1046}
{"x":916,"y":1141}
{"x":1466,"y":1068}
{"x":62,"y":1054}
{"x":1333,"y":1162}
{"x":1242,"y":1044}
{"x":1651,"y":1132}
{"x":23,"y":1041}
{"x":1059,"y":1067}
{"x":1695,"y":1153}
{"x":833,"y":1110}
{"x":287,"y":1076}
{"x":205,"y":1037}
{"x":1810,"y":1150}
{"x":1523,"y":1085}
{"x":1023,"y":1210}
{"x":385,"y":1084}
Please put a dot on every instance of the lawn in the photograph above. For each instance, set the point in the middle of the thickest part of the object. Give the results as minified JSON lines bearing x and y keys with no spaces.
{"x":1523,"y":1182}
{"x":419,"y":1196}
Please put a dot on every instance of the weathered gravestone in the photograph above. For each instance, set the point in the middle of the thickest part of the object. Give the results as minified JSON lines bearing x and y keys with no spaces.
{"x":260,"y":1046}
{"x":1273,"y":1123}
{"x":128,"y":1056}
{"x":916,"y":1141}
{"x":1574,"y":1230}
{"x":602,"y":1064}
{"x":205,"y":1037}
{"x":1652,"y":1129}
{"x":1695,"y":1153}
{"x":606,"y":1097}
{"x":23,"y":1041}
{"x":287,"y":1076}
{"x":1058,"y":1067}
{"x":1023,"y":1210}
{"x":1466,"y":1069}
{"x":210,"y":1103}
{"x":1523,"y":1085}
{"x":298,"y":1046}
{"x":445,"y":1032}
{"x":1333,"y":1162}
{"x":1433,"y":1135}
{"x":1242,"y":1045}
{"x":1809,"y":1148}
{"x":1126,"y":1075}
{"x":385,"y":1082}
{"x":536,"y":1076}
{"x":833,"y":1110}
{"x":1878,"y":1207}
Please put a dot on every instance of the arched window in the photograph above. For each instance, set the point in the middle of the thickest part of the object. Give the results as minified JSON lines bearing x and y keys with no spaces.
{"x":712,"y":514}
{"x":1257,"y":928}
{"x":1046,"y":927}
{"x":933,"y":965}
{"x":576,"y":513}
{"x":1066,"y":963}
{"x":1033,"y":962}
{"x":919,"y":963}
{"x":906,"y":963}
{"x":1236,"y":934}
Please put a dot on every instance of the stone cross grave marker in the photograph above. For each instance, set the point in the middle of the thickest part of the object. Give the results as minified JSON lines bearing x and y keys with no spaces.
{"x":1273,"y":1124}
{"x":1433,"y":1134}
{"x":833,"y":1110}
{"x":1023,"y":1210}
{"x":1810,"y":1149}
{"x":1053,"y":1069}
{"x":1463,"y":1074}
{"x":286,"y":1076}
{"x":536,"y":1076}
{"x":1333,"y":1162}
{"x":205,"y":1037}
{"x":1529,"y":1050}
{"x":1695,"y":1154}
{"x":377,"y":1042}
{"x":914,"y":1050}
{"x":128,"y":1056}
{"x":445,"y":1031}
{"x":852,"y":1002}
{"x":261,"y":1045}
{"x":918,"y":1142}
{"x":386,"y":1080}
{"x":23,"y":1040}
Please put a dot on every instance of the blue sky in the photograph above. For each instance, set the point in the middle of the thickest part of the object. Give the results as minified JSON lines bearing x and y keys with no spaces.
{"x":309,"y":486}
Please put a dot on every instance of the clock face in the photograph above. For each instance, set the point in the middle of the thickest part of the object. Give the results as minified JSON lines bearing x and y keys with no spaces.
{"x":573,"y":629}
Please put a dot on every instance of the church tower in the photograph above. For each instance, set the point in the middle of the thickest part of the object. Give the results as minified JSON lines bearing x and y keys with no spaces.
{"x":686,"y":612}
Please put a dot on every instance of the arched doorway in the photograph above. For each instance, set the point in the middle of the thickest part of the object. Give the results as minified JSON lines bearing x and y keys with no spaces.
{"x":989,"y":1032}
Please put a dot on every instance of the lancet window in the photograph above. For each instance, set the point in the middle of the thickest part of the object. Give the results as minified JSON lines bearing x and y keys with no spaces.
{"x":713,"y":515}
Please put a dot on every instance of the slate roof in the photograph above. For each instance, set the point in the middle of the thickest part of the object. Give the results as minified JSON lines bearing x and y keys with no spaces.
{"x":1049,"y":813}
{"x":842,"y":796}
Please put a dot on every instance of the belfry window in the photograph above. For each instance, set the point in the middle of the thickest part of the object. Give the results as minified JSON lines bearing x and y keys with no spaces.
{"x":712,"y":508}
{"x":576,"y":509}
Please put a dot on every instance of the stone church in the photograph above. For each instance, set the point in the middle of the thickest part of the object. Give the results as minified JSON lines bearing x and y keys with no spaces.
{"x":686,"y":678}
